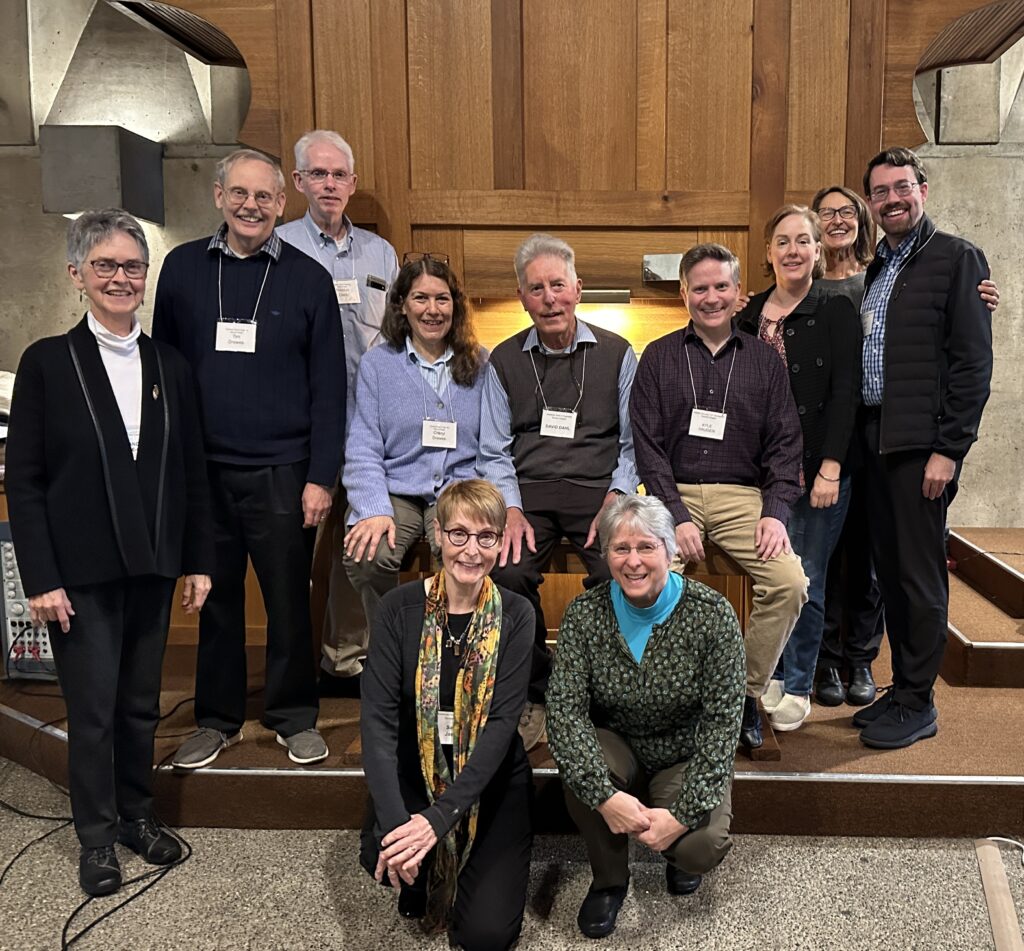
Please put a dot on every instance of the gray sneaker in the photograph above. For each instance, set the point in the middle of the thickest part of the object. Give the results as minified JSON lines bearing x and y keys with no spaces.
{"x":305,"y":747}
{"x":203,"y":747}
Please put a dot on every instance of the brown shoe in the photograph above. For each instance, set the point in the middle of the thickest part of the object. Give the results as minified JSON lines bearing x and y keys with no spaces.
{"x":532,"y":725}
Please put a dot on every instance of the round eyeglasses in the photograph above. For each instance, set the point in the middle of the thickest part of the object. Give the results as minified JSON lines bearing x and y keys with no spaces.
{"x":459,"y":537}
{"x":320,"y":175}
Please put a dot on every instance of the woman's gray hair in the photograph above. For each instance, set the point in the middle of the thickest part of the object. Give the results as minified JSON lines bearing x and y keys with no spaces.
{"x":539,"y":245}
{"x":322,"y":135}
{"x":248,"y":155}
{"x":92,"y":227}
{"x":645,"y":513}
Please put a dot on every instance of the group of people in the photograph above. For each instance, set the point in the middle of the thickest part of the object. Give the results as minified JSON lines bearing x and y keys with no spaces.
{"x":758,"y":427}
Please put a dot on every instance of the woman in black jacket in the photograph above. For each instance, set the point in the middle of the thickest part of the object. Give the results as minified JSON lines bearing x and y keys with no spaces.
{"x":818,"y":337}
{"x":106,"y":488}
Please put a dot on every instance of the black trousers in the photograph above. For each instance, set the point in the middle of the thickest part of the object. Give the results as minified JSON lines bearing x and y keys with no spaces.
{"x":555,"y":510}
{"x":908,"y":546}
{"x":258,"y":515}
{"x":854,"y":619}
{"x":109,"y":666}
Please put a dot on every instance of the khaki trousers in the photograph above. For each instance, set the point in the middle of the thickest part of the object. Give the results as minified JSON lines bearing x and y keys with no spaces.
{"x":344,"y":636}
{"x":728,"y":515}
{"x":695,"y":852}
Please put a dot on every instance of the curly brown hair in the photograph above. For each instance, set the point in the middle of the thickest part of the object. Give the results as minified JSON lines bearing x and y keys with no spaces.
{"x":466,"y":359}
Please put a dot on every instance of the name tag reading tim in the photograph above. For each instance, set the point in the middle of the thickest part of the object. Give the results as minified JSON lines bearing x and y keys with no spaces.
{"x":439,"y":434}
{"x":445,"y":727}
{"x":560,"y":423}
{"x":707,"y":424}
{"x":236,"y":336}
{"x":347,"y":292}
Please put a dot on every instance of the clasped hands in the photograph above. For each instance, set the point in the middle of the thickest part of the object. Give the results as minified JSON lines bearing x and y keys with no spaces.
{"x":403,"y":849}
{"x":656,"y":828}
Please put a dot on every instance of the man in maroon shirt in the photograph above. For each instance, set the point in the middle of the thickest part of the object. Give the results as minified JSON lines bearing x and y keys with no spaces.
{"x":717,"y":439}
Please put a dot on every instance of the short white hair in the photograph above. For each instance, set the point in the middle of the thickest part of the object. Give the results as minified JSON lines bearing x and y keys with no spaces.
{"x":322,"y":135}
{"x":248,"y":155}
{"x":542,"y":245}
{"x":646,"y":514}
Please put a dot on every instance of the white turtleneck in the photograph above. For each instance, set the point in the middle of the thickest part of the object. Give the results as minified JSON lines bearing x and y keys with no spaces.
{"x":123,"y":364}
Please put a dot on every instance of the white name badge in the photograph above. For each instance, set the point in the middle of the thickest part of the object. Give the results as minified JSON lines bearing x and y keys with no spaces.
{"x":439,"y":434}
{"x":236,"y":336}
{"x":867,"y":321}
{"x":347,"y":292}
{"x":707,"y":424}
{"x":445,"y":727}
{"x":560,"y":423}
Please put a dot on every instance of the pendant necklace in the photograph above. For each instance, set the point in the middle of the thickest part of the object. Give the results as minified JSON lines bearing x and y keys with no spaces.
{"x":454,"y":643}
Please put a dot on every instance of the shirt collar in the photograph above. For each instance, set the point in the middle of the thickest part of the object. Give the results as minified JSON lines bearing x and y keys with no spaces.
{"x":583,"y":335}
{"x":885,"y":251}
{"x":219,"y":242}
{"x":421,"y":361}
{"x":323,"y":239}
{"x":690,"y":337}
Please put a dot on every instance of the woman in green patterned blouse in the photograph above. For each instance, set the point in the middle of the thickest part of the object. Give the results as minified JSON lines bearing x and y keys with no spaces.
{"x":644,"y":710}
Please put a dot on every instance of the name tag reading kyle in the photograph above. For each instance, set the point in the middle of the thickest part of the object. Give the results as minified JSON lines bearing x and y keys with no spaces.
{"x":347,"y":292}
{"x":867,"y":321}
{"x":236,"y":336}
{"x":439,"y":434}
{"x":707,"y":424}
{"x":560,"y":423}
{"x":445,"y":727}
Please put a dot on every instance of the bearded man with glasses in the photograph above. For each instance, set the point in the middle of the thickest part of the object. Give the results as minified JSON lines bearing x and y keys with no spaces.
{"x":258,"y":322}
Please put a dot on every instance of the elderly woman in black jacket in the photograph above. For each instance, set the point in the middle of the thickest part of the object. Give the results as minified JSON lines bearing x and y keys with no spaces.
{"x":106,"y":488}
{"x":818,"y":337}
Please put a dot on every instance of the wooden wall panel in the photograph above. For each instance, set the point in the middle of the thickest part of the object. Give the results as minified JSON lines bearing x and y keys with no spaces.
{"x":295,"y":81}
{"x":342,"y":78}
{"x":450,"y":121}
{"x":736,"y":240}
{"x":708,"y":111}
{"x":651,"y":93}
{"x":442,"y":241}
{"x":579,"y":94}
{"x":864,"y":88}
{"x":507,"y":92}
{"x":819,"y":51}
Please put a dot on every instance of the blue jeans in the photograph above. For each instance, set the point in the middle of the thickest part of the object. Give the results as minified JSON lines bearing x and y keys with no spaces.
{"x":814,"y":534}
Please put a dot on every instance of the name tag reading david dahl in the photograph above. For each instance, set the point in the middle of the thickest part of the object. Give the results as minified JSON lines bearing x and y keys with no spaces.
{"x":560,"y":423}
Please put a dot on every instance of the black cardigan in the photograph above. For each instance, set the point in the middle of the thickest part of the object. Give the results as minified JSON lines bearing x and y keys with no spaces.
{"x":822,"y":339}
{"x":82,"y":510}
{"x":388,"y":713}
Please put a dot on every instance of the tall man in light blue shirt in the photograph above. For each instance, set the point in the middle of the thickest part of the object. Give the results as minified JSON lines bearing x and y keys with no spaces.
{"x":555,"y":436}
{"x":363,"y":266}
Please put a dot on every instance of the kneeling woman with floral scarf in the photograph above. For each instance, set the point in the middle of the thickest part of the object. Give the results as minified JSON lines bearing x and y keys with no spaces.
{"x":442,"y":691}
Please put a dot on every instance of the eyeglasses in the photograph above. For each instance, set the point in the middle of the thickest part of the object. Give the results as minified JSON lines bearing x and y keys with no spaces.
{"x":104,"y":267}
{"x":320,"y":175}
{"x":459,"y":537}
{"x":411,"y":257}
{"x":902,"y":189}
{"x":238,"y":196}
{"x":845,"y":212}
{"x":644,"y":549}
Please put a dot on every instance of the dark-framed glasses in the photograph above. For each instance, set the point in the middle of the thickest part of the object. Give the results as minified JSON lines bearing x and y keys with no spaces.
{"x":644,"y":549}
{"x":845,"y":212}
{"x":411,"y":257}
{"x":239,"y":196}
{"x":901,"y":189}
{"x":105,"y":267}
{"x":320,"y":175}
{"x":459,"y":537}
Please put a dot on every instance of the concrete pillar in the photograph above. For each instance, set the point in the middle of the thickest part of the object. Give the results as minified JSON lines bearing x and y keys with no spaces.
{"x":969,"y":105}
{"x":15,"y":87}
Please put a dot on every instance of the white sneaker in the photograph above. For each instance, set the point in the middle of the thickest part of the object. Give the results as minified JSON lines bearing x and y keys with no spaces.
{"x":773,"y":695}
{"x":790,"y":713}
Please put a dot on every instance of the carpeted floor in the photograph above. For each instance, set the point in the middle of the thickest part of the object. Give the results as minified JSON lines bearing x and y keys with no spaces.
{"x":271,"y":891}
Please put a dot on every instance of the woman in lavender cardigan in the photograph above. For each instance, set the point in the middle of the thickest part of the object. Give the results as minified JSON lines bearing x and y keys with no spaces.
{"x":416,"y":424}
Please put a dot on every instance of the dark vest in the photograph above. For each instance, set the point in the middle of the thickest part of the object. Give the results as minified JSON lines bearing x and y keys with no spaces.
{"x":592,"y":454}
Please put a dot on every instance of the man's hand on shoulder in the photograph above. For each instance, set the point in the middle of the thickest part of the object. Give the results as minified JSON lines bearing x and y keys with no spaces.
{"x":771,"y":539}
{"x":517,"y":530}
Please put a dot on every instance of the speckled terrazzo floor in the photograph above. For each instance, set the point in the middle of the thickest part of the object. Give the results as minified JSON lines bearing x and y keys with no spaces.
{"x":271,"y":891}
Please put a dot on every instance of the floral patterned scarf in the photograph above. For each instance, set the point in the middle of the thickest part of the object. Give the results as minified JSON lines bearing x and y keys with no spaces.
{"x":474,"y":689}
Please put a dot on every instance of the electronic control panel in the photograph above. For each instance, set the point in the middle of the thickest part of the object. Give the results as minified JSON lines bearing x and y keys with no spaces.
{"x":26,"y":649}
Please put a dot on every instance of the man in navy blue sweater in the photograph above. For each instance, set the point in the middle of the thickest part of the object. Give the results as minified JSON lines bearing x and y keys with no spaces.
{"x":258,"y":322}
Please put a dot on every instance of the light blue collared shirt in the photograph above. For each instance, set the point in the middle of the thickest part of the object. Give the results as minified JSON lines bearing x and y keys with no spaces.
{"x":495,"y":460}
{"x":358,"y":255}
{"x":436,"y":373}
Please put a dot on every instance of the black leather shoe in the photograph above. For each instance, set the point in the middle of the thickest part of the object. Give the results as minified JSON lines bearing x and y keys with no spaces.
{"x":680,"y":882}
{"x":750,"y":731}
{"x":862,"y":689}
{"x":829,"y":690}
{"x":98,"y":870}
{"x":148,"y":838}
{"x":600,"y":909}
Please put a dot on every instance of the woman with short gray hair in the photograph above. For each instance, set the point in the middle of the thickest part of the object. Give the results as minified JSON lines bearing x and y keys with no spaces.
{"x":106,"y":487}
{"x":644,"y":709}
